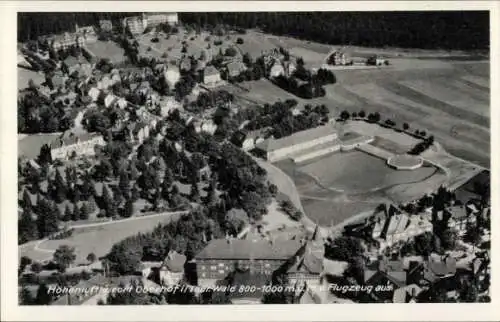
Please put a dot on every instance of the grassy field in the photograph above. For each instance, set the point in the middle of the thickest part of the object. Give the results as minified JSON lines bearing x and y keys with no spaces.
{"x":98,"y":240}
{"x":107,"y":49}
{"x":445,"y":93}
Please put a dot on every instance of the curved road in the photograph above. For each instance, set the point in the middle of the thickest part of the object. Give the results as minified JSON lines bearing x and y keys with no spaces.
{"x":36,"y":244}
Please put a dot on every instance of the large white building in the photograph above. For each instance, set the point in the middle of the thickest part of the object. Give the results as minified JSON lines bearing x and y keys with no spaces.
{"x":155,"y":19}
{"x":299,"y":143}
{"x":70,"y":144}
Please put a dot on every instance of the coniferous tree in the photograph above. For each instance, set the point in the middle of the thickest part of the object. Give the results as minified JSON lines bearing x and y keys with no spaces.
{"x":43,"y":297}
{"x":67,"y":213}
{"x":27,"y":228}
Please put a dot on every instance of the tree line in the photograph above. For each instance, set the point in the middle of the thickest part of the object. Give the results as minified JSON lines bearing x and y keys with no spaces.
{"x":31,"y":25}
{"x":430,"y":30}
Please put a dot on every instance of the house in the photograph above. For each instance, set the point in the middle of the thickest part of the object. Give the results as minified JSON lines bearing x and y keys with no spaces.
{"x":94,"y":94}
{"x":211,"y":76}
{"x":432,"y":270}
{"x":138,"y":131}
{"x":235,"y":68}
{"x":185,"y":64}
{"x":406,"y":294}
{"x":172,"y":76}
{"x":277,"y":69}
{"x":76,"y":64}
{"x":70,"y":144}
{"x":82,"y":292}
{"x":221,"y":256}
{"x":167,"y":105}
{"x":58,"y":81}
{"x":300,"y":143}
{"x":144,"y":88}
{"x":65,"y":41}
{"x":388,"y":273}
{"x":209,"y":127}
{"x":110,"y":100}
{"x":106,"y":25}
{"x":459,"y":216}
{"x":136,"y":25}
{"x":393,"y":228}
{"x":337,"y":58}
{"x":307,"y":264}
{"x":376,"y":61}
{"x":87,"y":32}
{"x":105,"y":82}
{"x":172,"y":270}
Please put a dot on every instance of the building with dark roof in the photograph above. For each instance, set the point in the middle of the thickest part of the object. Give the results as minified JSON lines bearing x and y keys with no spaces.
{"x":222,"y":256}
{"x":172,"y":270}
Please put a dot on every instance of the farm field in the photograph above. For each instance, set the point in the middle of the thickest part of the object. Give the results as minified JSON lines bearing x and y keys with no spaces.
{"x":445,"y":93}
{"x":463,"y":131}
{"x":98,"y":239}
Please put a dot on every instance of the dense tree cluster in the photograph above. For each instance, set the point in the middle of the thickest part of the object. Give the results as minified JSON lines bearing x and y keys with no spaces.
{"x":34,"y":24}
{"x":37,"y":114}
{"x":443,"y":29}
{"x":282,"y":122}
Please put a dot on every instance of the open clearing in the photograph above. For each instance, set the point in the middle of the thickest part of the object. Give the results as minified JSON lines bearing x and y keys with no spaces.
{"x":107,"y":49}
{"x":446,"y":94}
{"x":98,"y":240}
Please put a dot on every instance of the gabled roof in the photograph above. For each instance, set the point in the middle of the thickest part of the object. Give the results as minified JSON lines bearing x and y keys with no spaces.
{"x":174,"y":262}
{"x":210,"y":71}
{"x":249,"y":249}
{"x":405,"y":294}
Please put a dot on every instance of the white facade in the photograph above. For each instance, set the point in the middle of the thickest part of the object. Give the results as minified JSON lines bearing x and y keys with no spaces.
{"x":94,"y":94}
{"x":212,"y":79}
{"x":80,"y":148}
{"x":172,"y":76}
{"x":284,"y":152}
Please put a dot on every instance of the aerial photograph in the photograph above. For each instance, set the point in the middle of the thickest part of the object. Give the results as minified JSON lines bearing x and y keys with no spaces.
{"x":179,"y":158}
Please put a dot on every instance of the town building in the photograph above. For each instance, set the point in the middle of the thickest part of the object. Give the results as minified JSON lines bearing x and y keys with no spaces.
{"x":388,"y":273}
{"x":432,"y":270}
{"x":172,"y":270}
{"x":65,"y":41}
{"x":306,"y":266}
{"x":222,"y":256}
{"x":136,"y":25}
{"x":70,"y":144}
{"x":338,"y":58}
{"x":77,"y":64}
{"x":167,"y":105}
{"x":172,"y":76}
{"x":235,"y":68}
{"x":310,"y":143}
{"x":211,"y":76}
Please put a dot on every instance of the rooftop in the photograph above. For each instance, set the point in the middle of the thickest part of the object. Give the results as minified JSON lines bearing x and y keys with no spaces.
{"x":175,"y":261}
{"x":70,"y":138}
{"x":297,"y":138}
{"x":246,"y":249}
{"x":210,"y":71}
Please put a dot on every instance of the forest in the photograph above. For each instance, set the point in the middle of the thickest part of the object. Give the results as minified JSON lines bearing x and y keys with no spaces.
{"x":427,"y":30}
{"x":418,"y":29}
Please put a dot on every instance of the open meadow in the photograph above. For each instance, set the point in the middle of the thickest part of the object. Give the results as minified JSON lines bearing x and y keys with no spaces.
{"x":445,"y":93}
{"x":96,"y":239}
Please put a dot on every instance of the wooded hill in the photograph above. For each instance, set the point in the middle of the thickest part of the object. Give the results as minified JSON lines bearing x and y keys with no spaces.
{"x":429,"y":30}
